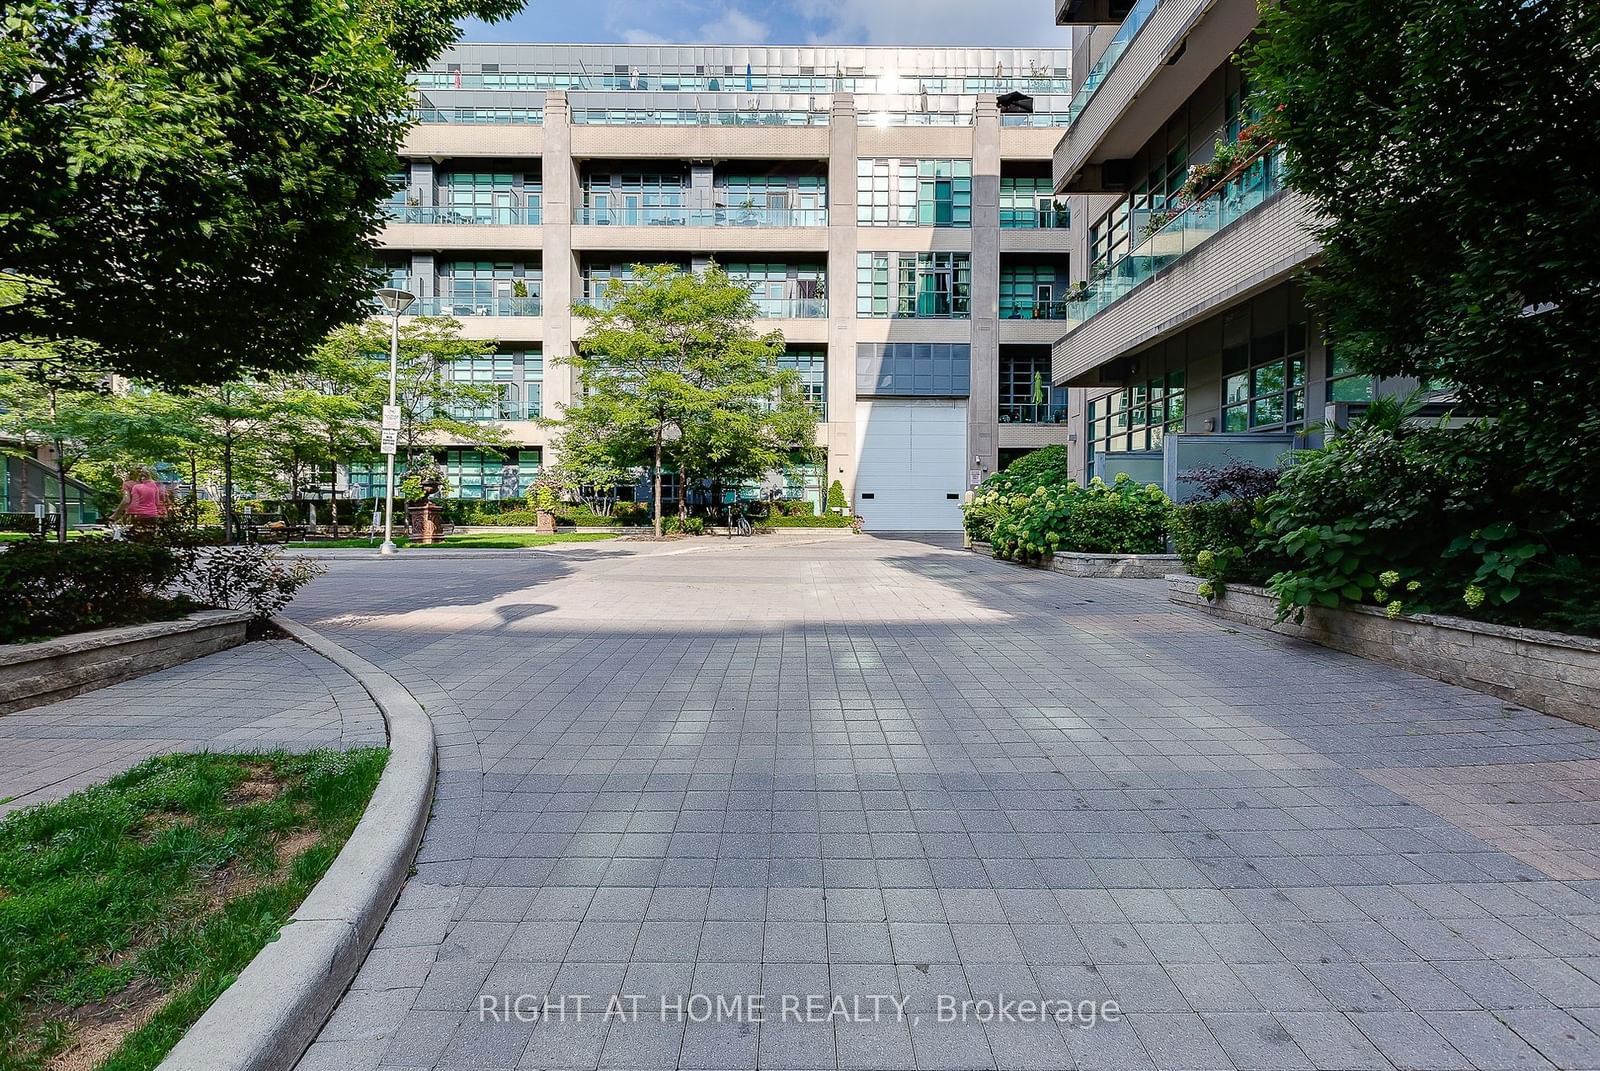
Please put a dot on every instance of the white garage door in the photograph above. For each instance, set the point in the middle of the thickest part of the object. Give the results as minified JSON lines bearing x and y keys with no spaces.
{"x":912,"y":464}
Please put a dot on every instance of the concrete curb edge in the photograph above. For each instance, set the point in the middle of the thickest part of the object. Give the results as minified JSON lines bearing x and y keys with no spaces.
{"x":272,"y":1012}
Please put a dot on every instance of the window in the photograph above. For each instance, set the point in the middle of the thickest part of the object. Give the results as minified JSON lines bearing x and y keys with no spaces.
{"x":1110,"y":238}
{"x":484,"y":474}
{"x":490,"y":197}
{"x":1138,"y":417}
{"x":368,"y":474}
{"x":1264,"y":364}
{"x":925,"y":369}
{"x":812,"y":365}
{"x":1019,"y":373}
{"x":772,"y":200}
{"x":914,"y":193}
{"x":484,"y":288}
{"x":520,"y":377}
{"x":635,"y":198}
{"x":1030,"y":292}
{"x":783,"y":291}
{"x":597,"y":279}
{"x":1027,"y":202}
{"x":919,"y":285}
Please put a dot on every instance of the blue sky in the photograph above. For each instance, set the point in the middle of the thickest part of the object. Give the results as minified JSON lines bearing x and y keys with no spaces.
{"x":832,"y":22}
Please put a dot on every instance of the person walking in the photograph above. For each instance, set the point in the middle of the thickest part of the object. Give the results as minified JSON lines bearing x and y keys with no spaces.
{"x":144,"y":504}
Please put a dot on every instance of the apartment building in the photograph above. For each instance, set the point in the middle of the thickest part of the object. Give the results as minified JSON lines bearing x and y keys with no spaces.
{"x":892,"y":210}
{"x":1188,"y":316}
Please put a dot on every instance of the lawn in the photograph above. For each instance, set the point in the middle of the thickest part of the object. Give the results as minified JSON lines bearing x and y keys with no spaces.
{"x":480,"y":540}
{"x":125,"y":909}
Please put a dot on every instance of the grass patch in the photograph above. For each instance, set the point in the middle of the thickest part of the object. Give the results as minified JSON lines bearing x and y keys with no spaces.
{"x":125,"y":909}
{"x":479,"y":540}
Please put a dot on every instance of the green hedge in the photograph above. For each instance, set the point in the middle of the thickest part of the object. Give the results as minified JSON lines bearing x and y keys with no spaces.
{"x":47,"y":589}
{"x":826,"y":520}
{"x":1124,"y":517}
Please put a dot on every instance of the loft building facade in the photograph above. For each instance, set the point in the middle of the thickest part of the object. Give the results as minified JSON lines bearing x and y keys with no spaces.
{"x":1188,"y":315}
{"x":893,"y":215}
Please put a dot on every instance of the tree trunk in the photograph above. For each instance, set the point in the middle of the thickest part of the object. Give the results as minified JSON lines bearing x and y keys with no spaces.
{"x":194,"y":489}
{"x":656,"y":498}
{"x":61,"y":492}
{"x":227,"y":490}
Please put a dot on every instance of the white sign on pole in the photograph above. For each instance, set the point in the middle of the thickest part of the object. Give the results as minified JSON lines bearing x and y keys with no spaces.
{"x":391,"y":418}
{"x":390,"y":441}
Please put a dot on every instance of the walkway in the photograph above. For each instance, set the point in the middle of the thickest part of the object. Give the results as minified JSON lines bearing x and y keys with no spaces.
{"x":258,"y":697}
{"x":878,"y":767}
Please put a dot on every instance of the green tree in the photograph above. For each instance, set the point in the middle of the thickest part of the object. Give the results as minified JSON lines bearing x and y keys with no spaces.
{"x":672,"y":368}
{"x":193,"y":185}
{"x":1448,"y":148}
{"x":434,"y":408}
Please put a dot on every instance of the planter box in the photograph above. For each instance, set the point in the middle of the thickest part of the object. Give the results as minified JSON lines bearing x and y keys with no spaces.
{"x":32,"y":674}
{"x":1547,"y":671}
{"x":1124,"y":566}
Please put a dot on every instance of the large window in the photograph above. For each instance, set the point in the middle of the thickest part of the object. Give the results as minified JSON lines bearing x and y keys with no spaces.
{"x":1137,"y":417}
{"x":772,"y":200}
{"x":1345,"y":384}
{"x":635,"y":198}
{"x":520,"y":377}
{"x":490,"y":197}
{"x":920,"y":285}
{"x":1020,"y":403}
{"x":489,"y":475}
{"x":1031,"y":292}
{"x":489,"y":288}
{"x":783,"y":291}
{"x":1264,"y":364}
{"x":812,"y":365}
{"x":597,"y":279}
{"x":1027,"y":201}
{"x":914,"y":193}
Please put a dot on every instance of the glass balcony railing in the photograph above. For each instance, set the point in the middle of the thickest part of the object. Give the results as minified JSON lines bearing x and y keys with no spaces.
{"x":1043,"y":413}
{"x":694,"y":117}
{"x":477,"y":116}
{"x":1038,"y":310}
{"x":1108,"y":59}
{"x":466,"y":215}
{"x":472,"y":306}
{"x":1036,"y":119}
{"x":684,"y":216}
{"x":791,"y":308}
{"x":1251,"y":185}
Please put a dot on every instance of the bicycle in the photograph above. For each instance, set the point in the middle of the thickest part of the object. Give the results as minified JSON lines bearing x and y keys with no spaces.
{"x":738,"y":521}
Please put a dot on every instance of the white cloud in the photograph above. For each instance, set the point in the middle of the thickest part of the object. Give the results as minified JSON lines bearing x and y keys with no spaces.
{"x":734,"y":27}
{"x":1023,"y":23}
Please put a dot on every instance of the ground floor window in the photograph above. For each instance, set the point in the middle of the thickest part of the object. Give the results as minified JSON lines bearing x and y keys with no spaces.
{"x":1345,"y":384}
{"x":490,"y":475}
{"x":1264,"y":364}
{"x":1138,"y":417}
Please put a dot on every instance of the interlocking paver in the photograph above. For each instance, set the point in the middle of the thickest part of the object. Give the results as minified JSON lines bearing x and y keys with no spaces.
{"x":262,"y":696}
{"x":867,"y":766}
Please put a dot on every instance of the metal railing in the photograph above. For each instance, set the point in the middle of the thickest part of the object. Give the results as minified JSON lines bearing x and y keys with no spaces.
{"x":476,"y":116}
{"x":684,"y":216}
{"x":448,"y":305}
{"x":467,"y":216}
{"x":791,"y":308}
{"x":1042,"y":413}
{"x":695,"y":117}
{"x":1037,"y":310}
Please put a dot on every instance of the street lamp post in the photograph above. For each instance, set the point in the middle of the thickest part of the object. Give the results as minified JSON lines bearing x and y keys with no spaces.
{"x":396,"y":301}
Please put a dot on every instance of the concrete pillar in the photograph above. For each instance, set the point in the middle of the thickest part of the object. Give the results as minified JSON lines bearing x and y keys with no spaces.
{"x":841,"y":425}
{"x":560,"y":268}
{"x":983,"y":404}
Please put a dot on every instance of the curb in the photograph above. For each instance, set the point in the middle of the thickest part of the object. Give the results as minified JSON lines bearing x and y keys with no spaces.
{"x":271,"y":1013}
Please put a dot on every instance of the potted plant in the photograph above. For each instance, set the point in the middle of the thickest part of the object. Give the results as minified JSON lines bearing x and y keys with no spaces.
{"x":542,"y":496}
{"x":424,"y":518}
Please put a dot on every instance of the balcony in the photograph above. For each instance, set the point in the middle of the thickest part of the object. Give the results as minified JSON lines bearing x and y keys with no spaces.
{"x":1213,"y":255}
{"x":475,"y":116}
{"x":1038,"y":310}
{"x":510,"y":215}
{"x":1042,"y":413}
{"x":1163,"y":52}
{"x":1247,"y":187}
{"x":1091,"y":12}
{"x":473,"y":306}
{"x":1132,"y":23}
{"x":695,"y":117}
{"x":791,"y":308}
{"x":684,"y":216}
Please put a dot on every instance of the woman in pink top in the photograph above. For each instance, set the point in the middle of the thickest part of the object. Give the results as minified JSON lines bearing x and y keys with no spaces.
{"x":144,"y":500}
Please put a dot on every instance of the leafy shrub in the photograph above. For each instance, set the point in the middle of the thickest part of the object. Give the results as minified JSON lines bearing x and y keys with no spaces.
{"x":675,"y":525}
{"x":1123,"y":517}
{"x":50,"y":589}
{"x":794,"y":507}
{"x":1237,"y":479}
{"x":1048,"y":466}
{"x":836,"y":496}
{"x":1215,"y":532}
{"x":825,"y":520}
{"x":980,"y":515}
{"x":1419,"y":520}
{"x":252,"y":577}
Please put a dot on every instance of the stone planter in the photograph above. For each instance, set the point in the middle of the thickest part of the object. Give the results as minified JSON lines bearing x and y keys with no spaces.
{"x":1123,"y":566}
{"x":32,"y":674}
{"x":1546,"y":671}
{"x":547,"y":523}
{"x":425,"y":523}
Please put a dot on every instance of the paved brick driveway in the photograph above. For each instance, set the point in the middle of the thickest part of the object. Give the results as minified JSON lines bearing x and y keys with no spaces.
{"x":874,"y":767}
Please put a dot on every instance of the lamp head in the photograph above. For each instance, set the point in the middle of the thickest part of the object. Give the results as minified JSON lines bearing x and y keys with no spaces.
{"x":396,"y":301}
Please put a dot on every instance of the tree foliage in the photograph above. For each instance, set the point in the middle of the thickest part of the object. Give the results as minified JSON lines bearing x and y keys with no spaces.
{"x":192,"y":185}
{"x":1449,"y":149}
{"x":674,"y":374}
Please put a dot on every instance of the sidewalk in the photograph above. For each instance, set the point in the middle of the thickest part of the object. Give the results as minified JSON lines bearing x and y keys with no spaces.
{"x":262,"y":696}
